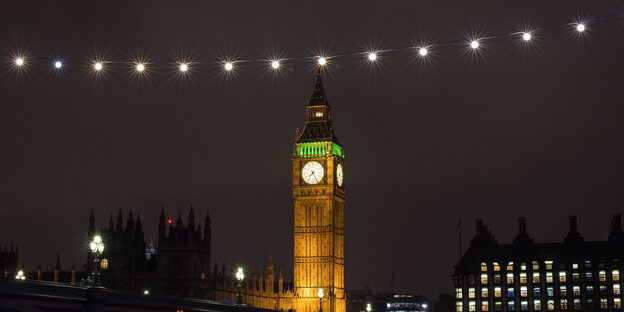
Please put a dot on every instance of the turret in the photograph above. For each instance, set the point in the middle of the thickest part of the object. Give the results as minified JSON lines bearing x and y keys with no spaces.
{"x":138,"y":226}
{"x":280,"y":283}
{"x":191,"y":220}
{"x":207,"y":229}
{"x":91,"y":229}
{"x":119,"y":228}
{"x":162,"y":226}
{"x":57,"y":268}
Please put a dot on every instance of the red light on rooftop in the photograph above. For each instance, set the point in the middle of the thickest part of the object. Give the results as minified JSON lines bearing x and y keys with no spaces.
{"x":169,"y":221}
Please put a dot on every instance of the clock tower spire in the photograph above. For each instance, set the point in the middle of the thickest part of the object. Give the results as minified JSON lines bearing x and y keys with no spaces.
{"x":319,"y":195}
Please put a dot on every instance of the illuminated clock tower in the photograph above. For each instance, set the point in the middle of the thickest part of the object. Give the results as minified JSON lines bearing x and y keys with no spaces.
{"x":318,"y":192}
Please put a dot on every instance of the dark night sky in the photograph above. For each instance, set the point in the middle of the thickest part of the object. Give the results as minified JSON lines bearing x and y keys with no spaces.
{"x":515,"y":131}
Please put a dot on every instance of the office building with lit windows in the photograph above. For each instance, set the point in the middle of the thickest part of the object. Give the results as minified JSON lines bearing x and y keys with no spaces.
{"x":574,"y":275}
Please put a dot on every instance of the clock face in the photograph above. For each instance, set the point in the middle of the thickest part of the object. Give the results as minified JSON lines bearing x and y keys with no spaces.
{"x":339,"y":175}
{"x":312,"y":172}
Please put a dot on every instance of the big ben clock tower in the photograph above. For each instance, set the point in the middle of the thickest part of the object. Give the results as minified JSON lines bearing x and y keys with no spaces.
{"x":318,"y":192}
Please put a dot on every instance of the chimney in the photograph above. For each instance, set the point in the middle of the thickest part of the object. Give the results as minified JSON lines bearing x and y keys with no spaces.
{"x":522,"y":225}
{"x":616,"y":228}
{"x":573,"y":235}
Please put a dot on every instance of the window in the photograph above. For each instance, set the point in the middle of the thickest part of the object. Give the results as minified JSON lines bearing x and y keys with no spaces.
{"x":576,"y":290}
{"x":603,"y":303}
{"x":459,"y":306}
{"x":497,"y":279}
{"x":484,"y":292}
{"x":472,"y":306}
{"x":548,"y":265}
{"x":510,"y":278}
{"x":510,"y":292}
{"x":523,"y":278}
{"x":590,"y":289}
{"x":549,"y":277}
{"x":617,"y":303}
{"x":550,"y":291}
{"x":471,"y":292}
{"x":498,"y":306}
{"x":523,"y":266}
{"x":496,"y":266}
{"x":603,"y":290}
{"x":524,"y":305}
{"x":536,"y":278}
{"x":484,"y":306}
{"x":510,"y":266}
{"x":536,"y":292}
{"x":458,"y":293}
{"x":523,"y":291}
{"x":483,"y":267}
{"x":575,"y":265}
{"x":319,"y":114}
{"x":564,"y":304}
{"x":535,"y":266}
{"x":616,"y":289}
{"x":577,"y":304}
{"x":563,"y":291}
{"x":497,"y":292}
{"x":511,"y":306}
{"x":602,"y":276}
{"x":615,"y":275}
{"x":576,"y":277}
{"x":551,"y":305}
{"x":484,"y":278}
{"x":587,"y":264}
{"x":537,"y":305}
{"x":562,"y":277}
{"x":590,"y":304}
{"x":589,"y":276}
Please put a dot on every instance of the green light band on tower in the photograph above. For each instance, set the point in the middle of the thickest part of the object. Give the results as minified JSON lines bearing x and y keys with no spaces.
{"x":315,"y":149}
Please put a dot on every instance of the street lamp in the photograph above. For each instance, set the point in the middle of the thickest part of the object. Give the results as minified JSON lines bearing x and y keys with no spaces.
{"x":20,"y":275}
{"x":320,"y":296}
{"x":239,"y":277}
{"x":368,"y":307}
{"x":97,"y":247}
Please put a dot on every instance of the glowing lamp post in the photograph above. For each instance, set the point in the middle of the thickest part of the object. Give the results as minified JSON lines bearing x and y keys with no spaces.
{"x":369,"y":308}
{"x":239,"y":277}
{"x":20,"y":275}
{"x":320,"y":296}
{"x":97,"y":247}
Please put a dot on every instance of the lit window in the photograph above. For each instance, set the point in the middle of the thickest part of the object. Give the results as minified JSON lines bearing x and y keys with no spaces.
{"x":587,"y":264}
{"x":536,"y":278}
{"x":575,"y":265}
{"x":484,"y":306}
{"x":537,"y":304}
{"x":483,"y":267}
{"x":524,"y":306}
{"x":510,"y":266}
{"x":496,"y":266}
{"x":511,"y":306}
{"x":497,"y":279}
{"x":459,"y":306}
{"x":590,"y":304}
{"x":616,"y":289}
{"x":523,"y":266}
{"x":523,"y":291}
{"x":510,"y":292}
{"x":472,"y":306}
{"x":617,"y":303}
{"x":535,"y":266}
{"x":484,"y":292}
{"x":484,"y":278}
{"x":603,"y":290}
{"x":577,"y":304}
{"x":602,"y":276}
{"x":603,"y":303}
{"x":471,"y":292}
{"x":510,"y":278}
{"x":498,"y":306}
{"x":576,"y":290}
{"x":497,"y":292}
{"x":564,"y":304}
{"x":563,"y":291}
{"x":458,"y":293}
{"x":548,"y":265}
{"x":590,"y":289}
{"x":576,"y":277}
{"x":551,"y":305}
{"x":319,"y":114}
{"x":549,"y":277}
{"x":615,"y":275}
{"x":536,"y":292}
{"x":523,"y":278}
{"x":562,"y":277}
{"x":589,"y":276}
{"x":550,"y":291}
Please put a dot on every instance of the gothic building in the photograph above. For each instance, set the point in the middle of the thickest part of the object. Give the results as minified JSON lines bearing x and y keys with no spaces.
{"x":8,"y":260}
{"x":574,"y":275}
{"x":179,"y":264}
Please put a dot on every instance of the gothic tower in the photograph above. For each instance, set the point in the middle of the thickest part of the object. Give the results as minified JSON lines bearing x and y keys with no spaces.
{"x":318,"y":192}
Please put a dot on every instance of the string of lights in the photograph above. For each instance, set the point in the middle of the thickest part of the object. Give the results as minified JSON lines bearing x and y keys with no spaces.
{"x":21,"y":61}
